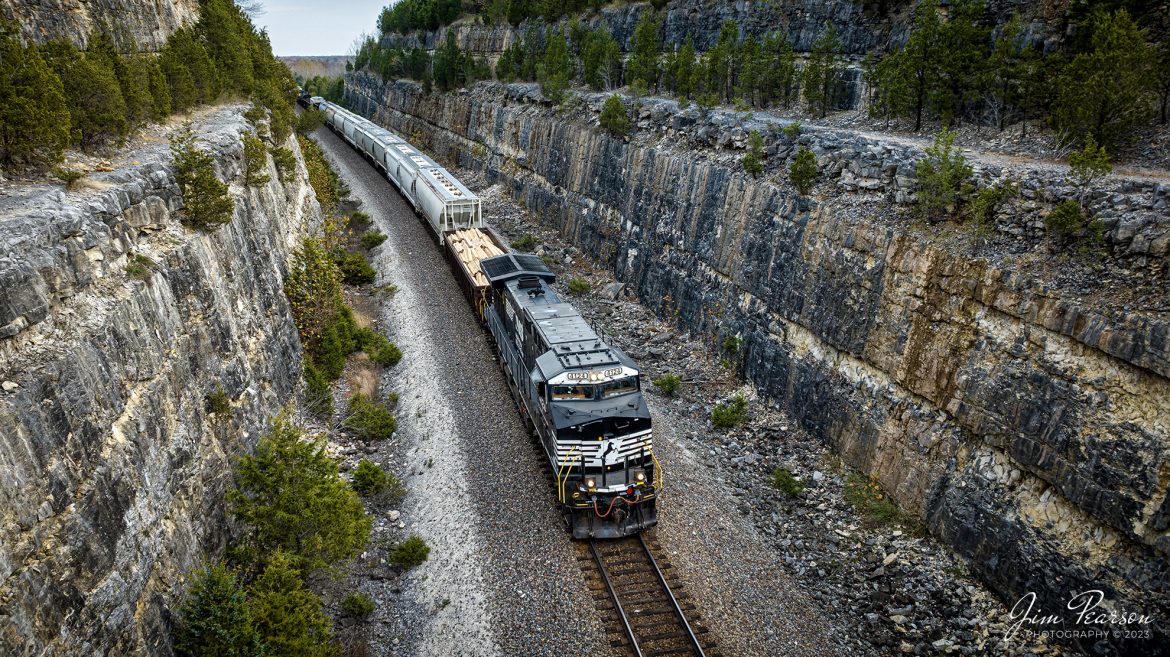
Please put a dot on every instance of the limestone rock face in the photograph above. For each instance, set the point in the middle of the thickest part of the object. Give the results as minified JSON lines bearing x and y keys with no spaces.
{"x":1029,"y":432}
{"x":131,"y":23}
{"x":112,"y":467}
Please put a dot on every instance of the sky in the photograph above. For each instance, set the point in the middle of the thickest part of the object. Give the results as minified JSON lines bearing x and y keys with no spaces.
{"x":317,"y":27}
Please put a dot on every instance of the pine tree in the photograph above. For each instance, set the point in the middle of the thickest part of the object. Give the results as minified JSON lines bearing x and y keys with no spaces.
{"x":1104,"y":90}
{"x":287,"y":615}
{"x":181,"y":88}
{"x":645,"y":47}
{"x":753,"y":160}
{"x":226,"y":32}
{"x":614,"y":118}
{"x":752,"y":72}
{"x":292,"y":499}
{"x":943,"y":179}
{"x":803,"y":171}
{"x":133,"y":78}
{"x":822,"y":73}
{"x":1004,"y":69}
{"x":554,"y":72}
{"x":214,"y":619}
{"x":908,"y":75}
{"x":448,"y":65}
{"x":206,"y":203}
{"x":779,"y":75}
{"x":1087,"y":166}
{"x":96,"y":109}
{"x":1163,"y":84}
{"x":601,"y":60}
{"x":160,"y":93}
{"x":34,"y":114}
{"x":962,"y":60}
{"x":722,"y":60}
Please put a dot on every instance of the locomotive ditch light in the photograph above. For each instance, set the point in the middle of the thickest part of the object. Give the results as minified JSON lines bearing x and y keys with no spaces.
{"x":639,"y":476}
{"x":591,"y":483}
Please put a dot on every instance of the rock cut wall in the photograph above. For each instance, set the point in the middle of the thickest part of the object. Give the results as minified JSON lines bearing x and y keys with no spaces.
{"x":1029,"y":432}
{"x":133,"y":24}
{"x":112,"y":467}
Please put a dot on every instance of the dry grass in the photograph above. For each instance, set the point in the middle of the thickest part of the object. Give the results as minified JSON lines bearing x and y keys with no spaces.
{"x":362,"y":375}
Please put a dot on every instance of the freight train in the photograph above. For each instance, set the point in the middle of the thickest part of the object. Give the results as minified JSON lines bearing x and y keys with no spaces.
{"x":581,"y":396}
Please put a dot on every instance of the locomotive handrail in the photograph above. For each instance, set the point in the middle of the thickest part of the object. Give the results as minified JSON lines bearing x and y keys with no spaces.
{"x":568,"y":462}
{"x":657,"y":472}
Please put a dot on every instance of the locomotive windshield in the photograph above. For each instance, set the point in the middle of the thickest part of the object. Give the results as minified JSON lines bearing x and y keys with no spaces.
{"x":620,"y":387}
{"x":574,"y":391}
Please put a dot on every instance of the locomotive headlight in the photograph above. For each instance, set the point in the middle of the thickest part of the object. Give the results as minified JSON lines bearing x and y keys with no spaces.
{"x":591,"y":483}
{"x":639,"y":476}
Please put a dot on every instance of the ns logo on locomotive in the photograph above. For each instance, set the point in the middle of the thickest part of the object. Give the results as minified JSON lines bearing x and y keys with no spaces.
{"x":581,"y":396}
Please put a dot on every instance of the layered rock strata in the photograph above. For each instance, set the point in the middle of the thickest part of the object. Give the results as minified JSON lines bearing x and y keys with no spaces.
{"x":1028,"y":430}
{"x":133,"y":24}
{"x":118,"y":329}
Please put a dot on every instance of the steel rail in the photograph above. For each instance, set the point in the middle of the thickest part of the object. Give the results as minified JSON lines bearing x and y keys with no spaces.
{"x":616,"y":603}
{"x":673,"y":601}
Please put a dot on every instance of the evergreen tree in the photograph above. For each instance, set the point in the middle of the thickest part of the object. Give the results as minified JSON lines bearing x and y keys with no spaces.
{"x":1163,"y":83}
{"x":34,"y":114}
{"x":214,"y":619}
{"x":962,"y":60}
{"x":943,"y":177}
{"x":133,"y":78}
{"x":1005,"y":68}
{"x":554,"y":71}
{"x":1104,"y":91}
{"x":287,"y":615}
{"x":686,"y":70}
{"x":1087,"y":166}
{"x":96,"y":109}
{"x":645,"y":47}
{"x":448,"y":65}
{"x":292,"y":499}
{"x":206,"y":203}
{"x":907,"y":76}
{"x":614,"y":118}
{"x":822,"y":73}
{"x":753,"y":161}
{"x":601,"y":60}
{"x":779,"y":74}
{"x":226,"y":33}
{"x":752,"y":72}
{"x":803,"y":171}
{"x":722,"y":60}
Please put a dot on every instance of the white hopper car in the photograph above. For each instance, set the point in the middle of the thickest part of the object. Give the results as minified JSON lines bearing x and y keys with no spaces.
{"x":435,"y":194}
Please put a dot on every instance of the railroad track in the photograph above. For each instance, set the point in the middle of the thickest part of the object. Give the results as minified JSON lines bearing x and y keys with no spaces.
{"x":649,"y":614}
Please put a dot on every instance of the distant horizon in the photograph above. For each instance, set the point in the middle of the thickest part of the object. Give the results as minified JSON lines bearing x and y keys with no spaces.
{"x":311,"y":56}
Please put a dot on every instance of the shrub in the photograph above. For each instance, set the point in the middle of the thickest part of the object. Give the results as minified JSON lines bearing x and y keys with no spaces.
{"x":287,"y":615}
{"x":525,"y":242}
{"x":68,"y":176}
{"x":1070,"y":224}
{"x":357,"y":605}
{"x":942,"y":179}
{"x":730,"y":415}
{"x":1087,"y":166}
{"x":803,"y":172}
{"x":706,"y":101}
{"x":731,"y":344}
{"x":97,"y":110}
{"x":285,"y":161}
{"x":792,"y":130}
{"x":667,"y":383}
{"x":981,"y":208}
{"x":578,"y":286}
{"x":872,"y":503}
{"x":782,"y":480}
{"x":291,"y":498}
{"x":205,"y":197}
{"x":309,"y":120}
{"x":369,"y":419}
{"x":369,"y":479}
{"x":753,"y":160}
{"x":318,"y":394}
{"x":614,"y":118}
{"x":372,"y":238}
{"x":356,"y":269}
{"x":326,"y":185}
{"x":219,"y":402}
{"x":214,"y":619}
{"x":384,"y":352}
{"x":255,"y":161}
{"x":140,"y":267}
{"x":313,"y":288}
{"x":410,"y":553}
